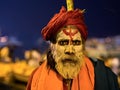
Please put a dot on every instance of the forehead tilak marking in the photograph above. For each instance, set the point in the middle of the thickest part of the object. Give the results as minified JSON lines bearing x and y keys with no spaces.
{"x":70,"y":33}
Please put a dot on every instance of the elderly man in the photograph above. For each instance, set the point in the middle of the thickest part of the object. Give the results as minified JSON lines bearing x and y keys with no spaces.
{"x":67,"y":66}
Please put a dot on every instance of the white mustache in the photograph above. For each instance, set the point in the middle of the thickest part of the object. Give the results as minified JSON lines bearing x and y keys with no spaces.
{"x":69,"y":58}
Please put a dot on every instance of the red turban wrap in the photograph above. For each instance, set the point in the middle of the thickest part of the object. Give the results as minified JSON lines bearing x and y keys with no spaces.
{"x":64,"y":18}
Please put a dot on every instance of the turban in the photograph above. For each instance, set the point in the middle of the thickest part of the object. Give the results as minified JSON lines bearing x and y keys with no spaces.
{"x":63,"y":18}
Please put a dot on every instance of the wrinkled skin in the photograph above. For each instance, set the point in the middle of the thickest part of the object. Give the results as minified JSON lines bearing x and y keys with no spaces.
{"x":68,"y":52}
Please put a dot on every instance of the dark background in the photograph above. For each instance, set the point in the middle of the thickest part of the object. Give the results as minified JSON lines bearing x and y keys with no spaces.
{"x":24,"y":19}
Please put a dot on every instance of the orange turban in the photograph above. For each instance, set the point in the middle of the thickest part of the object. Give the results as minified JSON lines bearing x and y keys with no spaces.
{"x":64,"y":18}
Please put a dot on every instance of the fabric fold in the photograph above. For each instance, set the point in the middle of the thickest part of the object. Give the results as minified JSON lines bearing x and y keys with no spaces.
{"x":47,"y":79}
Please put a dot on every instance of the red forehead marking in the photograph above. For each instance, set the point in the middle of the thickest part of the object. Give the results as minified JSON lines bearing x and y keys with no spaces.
{"x":70,"y":33}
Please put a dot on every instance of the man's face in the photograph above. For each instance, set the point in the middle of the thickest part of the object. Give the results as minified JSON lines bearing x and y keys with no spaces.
{"x":68,"y":52}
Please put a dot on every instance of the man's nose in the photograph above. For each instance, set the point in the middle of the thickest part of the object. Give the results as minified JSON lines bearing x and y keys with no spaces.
{"x":69,"y":49}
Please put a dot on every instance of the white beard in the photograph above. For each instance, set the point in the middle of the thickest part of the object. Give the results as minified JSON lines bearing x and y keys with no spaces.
{"x":69,"y":69}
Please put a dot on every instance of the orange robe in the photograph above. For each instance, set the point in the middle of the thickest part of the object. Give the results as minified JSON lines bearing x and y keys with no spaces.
{"x":47,"y":79}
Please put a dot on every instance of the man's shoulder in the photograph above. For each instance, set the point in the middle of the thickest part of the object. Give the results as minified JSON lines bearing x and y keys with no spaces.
{"x":40,"y":67}
{"x":96,"y":61}
{"x":99,"y":64}
{"x":104,"y":76}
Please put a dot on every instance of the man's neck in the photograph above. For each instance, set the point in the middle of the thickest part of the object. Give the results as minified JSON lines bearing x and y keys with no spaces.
{"x":68,"y":83}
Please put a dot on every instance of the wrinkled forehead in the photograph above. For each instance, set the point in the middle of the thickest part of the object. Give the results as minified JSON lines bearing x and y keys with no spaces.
{"x":69,"y":32}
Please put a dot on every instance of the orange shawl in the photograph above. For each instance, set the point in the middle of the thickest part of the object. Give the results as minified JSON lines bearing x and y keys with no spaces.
{"x":47,"y":79}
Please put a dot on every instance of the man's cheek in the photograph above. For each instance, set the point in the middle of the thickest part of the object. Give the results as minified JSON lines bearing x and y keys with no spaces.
{"x":58,"y":52}
{"x":78,"y":49}
{"x":55,"y":53}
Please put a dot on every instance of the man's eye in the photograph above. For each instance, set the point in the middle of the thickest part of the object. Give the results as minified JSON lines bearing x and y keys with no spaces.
{"x":76,"y":42}
{"x":63,"y":42}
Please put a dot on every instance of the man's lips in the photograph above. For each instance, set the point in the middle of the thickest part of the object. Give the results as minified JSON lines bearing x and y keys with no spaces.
{"x":69,"y":61}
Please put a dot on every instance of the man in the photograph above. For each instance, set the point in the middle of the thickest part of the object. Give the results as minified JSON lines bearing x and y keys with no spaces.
{"x":67,"y":67}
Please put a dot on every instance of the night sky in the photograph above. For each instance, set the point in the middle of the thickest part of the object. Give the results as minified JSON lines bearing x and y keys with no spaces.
{"x":24,"y":19}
